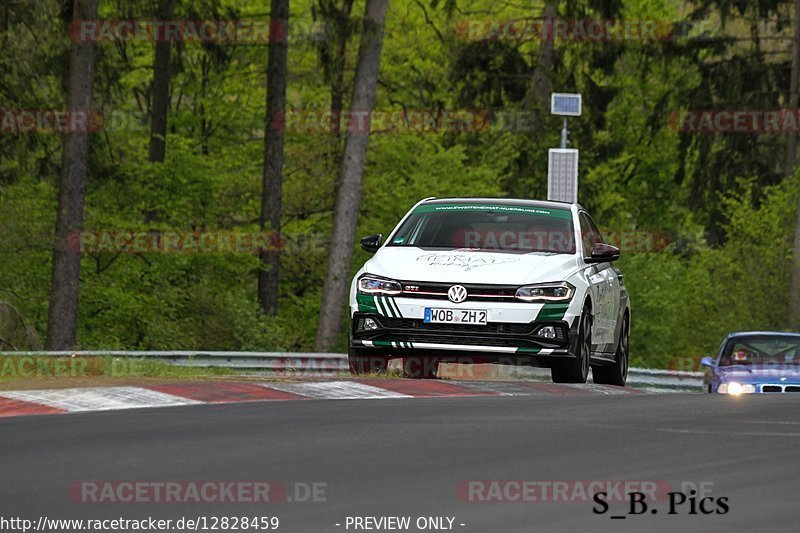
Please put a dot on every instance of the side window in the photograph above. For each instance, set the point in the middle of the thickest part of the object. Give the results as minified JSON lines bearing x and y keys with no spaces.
{"x":589,"y":234}
{"x":596,"y":232}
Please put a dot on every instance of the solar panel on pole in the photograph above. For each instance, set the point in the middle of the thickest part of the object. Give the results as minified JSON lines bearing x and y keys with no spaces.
{"x":565,"y":104}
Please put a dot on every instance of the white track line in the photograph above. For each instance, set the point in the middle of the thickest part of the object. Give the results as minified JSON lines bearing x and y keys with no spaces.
{"x":602,"y":389}
{"x":99,"y":399}
{"x":335,"y":390}
{"x":500,"y":388}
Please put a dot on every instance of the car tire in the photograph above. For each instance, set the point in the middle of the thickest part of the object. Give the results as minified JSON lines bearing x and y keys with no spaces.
{"x":417,"y":367}
{"x":577,"y":370}
{"x":616,"y":374}
{"x":367,"y":361}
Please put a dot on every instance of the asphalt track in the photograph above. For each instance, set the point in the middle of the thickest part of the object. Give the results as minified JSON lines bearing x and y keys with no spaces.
{"x":407,"y":458}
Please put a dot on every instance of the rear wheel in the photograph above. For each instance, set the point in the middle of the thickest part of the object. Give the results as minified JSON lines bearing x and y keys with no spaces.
{"x":365,"y":361}
{"x":417,"y":367}
{"x":616,"y":374}
{"x":577,"y":370}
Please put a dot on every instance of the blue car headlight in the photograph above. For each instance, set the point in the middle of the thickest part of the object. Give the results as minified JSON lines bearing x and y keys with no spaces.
{"x":736,"y":389}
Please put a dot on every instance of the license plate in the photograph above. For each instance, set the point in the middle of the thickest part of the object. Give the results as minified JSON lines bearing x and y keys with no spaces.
{"x":454,"y":316}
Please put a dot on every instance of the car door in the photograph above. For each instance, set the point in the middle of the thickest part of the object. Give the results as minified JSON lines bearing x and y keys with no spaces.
{"x":605,"y":289}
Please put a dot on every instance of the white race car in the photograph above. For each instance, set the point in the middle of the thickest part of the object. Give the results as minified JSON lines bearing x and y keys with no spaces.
{"x":485,"y":280}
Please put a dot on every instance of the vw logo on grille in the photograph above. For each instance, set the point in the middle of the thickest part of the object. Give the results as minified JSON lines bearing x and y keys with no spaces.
{"x":457,"y":294}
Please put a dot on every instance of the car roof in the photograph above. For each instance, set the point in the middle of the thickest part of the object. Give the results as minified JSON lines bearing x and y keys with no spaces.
{"x":753,"y":333}
{"x":503,"y":201}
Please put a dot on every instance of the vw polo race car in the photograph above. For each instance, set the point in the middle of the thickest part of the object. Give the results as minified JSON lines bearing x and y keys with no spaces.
{"x":755,"y":362}
{"x":483,"y":280}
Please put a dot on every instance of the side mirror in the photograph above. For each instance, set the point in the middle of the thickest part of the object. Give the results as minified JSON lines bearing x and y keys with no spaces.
{"x":706,"y":361}
{"x":371,"y":243}
{"x":603,"y":253}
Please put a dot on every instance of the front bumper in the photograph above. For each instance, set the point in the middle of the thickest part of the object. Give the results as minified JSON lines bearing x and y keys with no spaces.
{"x":399,"y":336}
{"x":764,"y":388}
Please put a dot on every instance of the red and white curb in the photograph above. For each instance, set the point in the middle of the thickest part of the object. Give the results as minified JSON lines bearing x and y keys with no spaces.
{"x":61,"y":401}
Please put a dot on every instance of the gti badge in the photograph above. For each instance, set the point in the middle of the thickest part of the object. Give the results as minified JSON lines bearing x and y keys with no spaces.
{"x":457,"y":294}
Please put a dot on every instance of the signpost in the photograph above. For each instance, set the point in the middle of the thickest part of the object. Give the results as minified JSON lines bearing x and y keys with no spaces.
{"x":562,"y":167}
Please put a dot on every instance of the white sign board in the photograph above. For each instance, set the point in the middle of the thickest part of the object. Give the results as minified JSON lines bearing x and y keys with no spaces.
{"x":562,"y":175}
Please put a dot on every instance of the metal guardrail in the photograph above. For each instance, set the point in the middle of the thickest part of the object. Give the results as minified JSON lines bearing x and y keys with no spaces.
{"x":666,"y":379}
{"x":334,"y":364}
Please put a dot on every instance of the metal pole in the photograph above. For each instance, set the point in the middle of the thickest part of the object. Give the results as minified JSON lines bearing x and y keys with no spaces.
{"x":564,"y":134}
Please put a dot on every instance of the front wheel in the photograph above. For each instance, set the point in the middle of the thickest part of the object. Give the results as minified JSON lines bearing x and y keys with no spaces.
{"x":577,"y":370}
{"x":616,"y":374}
{"x":366,"y":361}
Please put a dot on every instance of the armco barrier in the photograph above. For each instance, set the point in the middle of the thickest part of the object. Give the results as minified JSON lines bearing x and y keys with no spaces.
{"x":334,"y":364}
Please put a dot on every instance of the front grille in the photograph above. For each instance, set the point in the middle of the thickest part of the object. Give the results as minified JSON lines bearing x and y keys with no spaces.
{"x":780,"y":388}
{"x":392,"y":329}
{"x":476,"y":341}
{"x":495,"y":328}
{"x":475,"y":292}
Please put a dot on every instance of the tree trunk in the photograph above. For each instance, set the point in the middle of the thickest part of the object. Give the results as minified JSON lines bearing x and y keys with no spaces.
{"x":791,"y":161}
{"x":348,"y":200}
{"x":161,"y":78}
{"x":62,"y":318}
{"x":271,"y":189}
{"x":337,"y":80}
{"x":541,"y":86}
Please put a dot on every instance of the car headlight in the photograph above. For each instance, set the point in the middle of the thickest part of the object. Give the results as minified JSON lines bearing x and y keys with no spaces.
{"x":736,"y":388}
{"x":546,"y":292}
{"x":377,"y":285}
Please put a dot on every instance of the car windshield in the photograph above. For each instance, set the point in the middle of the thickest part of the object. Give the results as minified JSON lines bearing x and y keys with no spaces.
{"x":498,"y":228}
{"x":761,"y":350}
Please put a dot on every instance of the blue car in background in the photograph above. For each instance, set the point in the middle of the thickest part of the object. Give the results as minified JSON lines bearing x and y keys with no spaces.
{"x":755,"y":362}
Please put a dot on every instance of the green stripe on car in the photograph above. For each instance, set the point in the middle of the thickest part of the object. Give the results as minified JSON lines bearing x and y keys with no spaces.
{"x":366,"y":304}
{"x":387,"y":308}
{"x":396,"y":307}
{"x":552,"y":311}
{"x":381,"y":302}
{"x":528,"y":350}
{"x":387,"y":303}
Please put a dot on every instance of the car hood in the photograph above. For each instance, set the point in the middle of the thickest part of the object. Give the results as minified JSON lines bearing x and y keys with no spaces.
{"x":470,"y":266}
{"x":761,"y":375}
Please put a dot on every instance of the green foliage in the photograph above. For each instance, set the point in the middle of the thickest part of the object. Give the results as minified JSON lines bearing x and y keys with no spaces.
{"x":688,"y":298}
{"x":722,"y":199}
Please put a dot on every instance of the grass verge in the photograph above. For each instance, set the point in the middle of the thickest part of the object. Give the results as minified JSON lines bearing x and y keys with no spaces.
{"x":58,"y":372}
